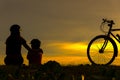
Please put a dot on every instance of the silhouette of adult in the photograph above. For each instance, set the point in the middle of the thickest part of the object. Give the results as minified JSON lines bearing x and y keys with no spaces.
{"x":13,"y":46}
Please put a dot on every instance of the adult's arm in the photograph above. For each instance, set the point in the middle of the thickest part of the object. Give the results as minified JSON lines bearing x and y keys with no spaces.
{"x":26,"y":46}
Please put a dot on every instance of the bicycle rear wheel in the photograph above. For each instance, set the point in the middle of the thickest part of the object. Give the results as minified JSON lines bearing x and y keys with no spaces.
{"x":105,"y":57}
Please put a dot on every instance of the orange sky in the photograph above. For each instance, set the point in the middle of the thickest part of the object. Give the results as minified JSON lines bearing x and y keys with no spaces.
{"x":65,"y":27}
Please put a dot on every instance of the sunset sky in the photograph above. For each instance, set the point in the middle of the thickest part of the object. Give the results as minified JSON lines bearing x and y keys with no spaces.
{"x":65,"y":27}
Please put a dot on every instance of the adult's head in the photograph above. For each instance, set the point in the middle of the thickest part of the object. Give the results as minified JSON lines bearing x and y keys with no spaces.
{"x":15,"y":29}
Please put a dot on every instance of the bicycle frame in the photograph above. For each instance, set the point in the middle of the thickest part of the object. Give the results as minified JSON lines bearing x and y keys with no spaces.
{"x":114,"y":35}
{"x":110,"y":24}
{"x":104,"y":47}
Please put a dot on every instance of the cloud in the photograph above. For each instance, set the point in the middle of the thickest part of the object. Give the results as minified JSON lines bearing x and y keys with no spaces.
{"x":65,"y":49}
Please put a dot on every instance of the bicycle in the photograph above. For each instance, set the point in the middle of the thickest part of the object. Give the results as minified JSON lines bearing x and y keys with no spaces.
{"x":103,"y":49}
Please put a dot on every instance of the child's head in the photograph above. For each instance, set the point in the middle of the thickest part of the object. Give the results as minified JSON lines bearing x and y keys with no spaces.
{"x":35,"y":43}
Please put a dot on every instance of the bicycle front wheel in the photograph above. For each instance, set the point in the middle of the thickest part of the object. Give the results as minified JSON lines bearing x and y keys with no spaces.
{"x":105,"y":57}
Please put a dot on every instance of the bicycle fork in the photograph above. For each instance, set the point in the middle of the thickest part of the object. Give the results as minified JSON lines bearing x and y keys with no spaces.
{"x":102,"y":49}
{"x":103,"y":46}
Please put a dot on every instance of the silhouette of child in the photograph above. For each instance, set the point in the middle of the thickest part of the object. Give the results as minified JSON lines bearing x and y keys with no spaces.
{"x":13,"y":46}
{"x":34,"y":55}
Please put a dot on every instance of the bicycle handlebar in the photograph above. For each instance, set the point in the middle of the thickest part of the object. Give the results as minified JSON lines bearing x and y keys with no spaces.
{"x":108,"y":21}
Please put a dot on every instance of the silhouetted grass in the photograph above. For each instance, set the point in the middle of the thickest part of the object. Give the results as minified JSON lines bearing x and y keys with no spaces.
{"x":54,"y":71}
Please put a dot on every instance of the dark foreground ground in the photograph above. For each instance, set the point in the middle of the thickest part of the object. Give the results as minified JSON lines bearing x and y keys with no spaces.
{"x":54,"y":71}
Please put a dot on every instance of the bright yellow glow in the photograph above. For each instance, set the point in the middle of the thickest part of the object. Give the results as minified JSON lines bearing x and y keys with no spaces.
{"x":70,"y":45}
{"x":66,"y":59}
{"x":74,"y":46}
{"x":99,"y":45}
